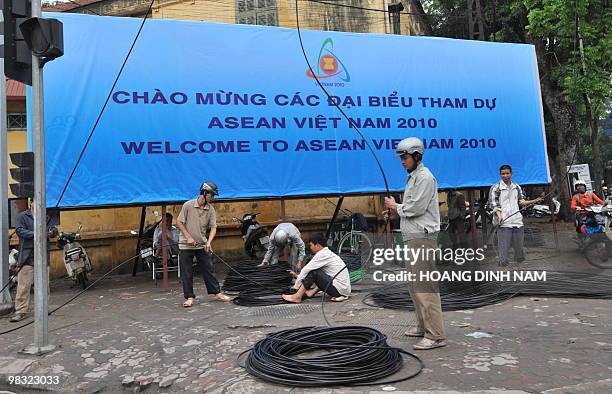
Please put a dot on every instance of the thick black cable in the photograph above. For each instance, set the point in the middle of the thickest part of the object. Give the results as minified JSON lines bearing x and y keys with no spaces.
{"x":358,"y":356}
{"x":78,"y":294}
{"x":271,"y":276}
{"x":105,"y":104}
{"x":8,"y":282}
{"x":352,"y":124}
{"x":459,"y":296}
{"x":74,"y":297}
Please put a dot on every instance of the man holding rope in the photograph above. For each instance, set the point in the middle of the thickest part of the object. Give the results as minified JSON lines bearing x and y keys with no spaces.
{"x":420,"y":223}
{"x":506,"y":198}
{"x":196,"y":218}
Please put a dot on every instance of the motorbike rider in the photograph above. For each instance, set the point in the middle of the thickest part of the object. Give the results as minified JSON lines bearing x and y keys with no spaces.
{"x":582,"y":200}
{"x":285,"y":235}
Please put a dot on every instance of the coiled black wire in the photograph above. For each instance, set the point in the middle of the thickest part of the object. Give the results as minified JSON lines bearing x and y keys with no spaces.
{"x":454,"y":296}
{"x":358,"y":356}
{"x":247,"y":273}
{"x":262,"y":297}
{"x":569,"y":285}
{"x":458,"y":296}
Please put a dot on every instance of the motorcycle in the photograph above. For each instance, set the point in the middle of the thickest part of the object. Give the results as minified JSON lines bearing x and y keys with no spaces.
{"x":593,"y":241}
{"x":255,"y":236}
{"x":76,"y":260}
{"x":150,"y":251}
{"x":13,"y":264}
{"x":542,"y":210}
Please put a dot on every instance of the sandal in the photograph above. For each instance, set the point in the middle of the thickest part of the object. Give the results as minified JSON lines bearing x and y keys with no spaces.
{"x":188,"y":303}
{"x":222,"y":297}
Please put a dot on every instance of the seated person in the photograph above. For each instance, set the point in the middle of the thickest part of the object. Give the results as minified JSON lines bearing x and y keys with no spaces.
{"x":285,"y":235}
{"x":326,"y":271}
{"x":581,"y":200}
{"x":172,"y":235}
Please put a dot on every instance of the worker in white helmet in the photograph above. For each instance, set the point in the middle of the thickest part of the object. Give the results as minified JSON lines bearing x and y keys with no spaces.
{"x":285,"y":235}
{"x":420,"y":223}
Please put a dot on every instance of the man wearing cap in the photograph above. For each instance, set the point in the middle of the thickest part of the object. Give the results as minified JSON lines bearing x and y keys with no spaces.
{"x":420,"y":223}
{"x":196,"y":218}
{"x":285,"y":235}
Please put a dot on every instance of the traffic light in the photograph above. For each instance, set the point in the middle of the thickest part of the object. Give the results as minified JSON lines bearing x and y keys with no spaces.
{"x":45,"y":37}
{"x":17,"y":55}
{"x":23,"y":174}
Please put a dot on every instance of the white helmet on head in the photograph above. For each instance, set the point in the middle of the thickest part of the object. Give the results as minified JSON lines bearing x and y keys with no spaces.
{"x":579,"y":183}
{"x":410,"y":146}
{"x":280,"y":237}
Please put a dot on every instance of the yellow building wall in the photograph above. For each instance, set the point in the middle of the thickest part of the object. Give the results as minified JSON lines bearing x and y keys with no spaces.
{"x":318,"y":16}
{"x":196,"y":10}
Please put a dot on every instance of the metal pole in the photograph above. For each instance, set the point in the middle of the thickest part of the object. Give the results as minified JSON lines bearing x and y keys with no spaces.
{"x":41,"y":278}
{"x":5,"y":297}
{"x":164,"y":242}
{"x":483,"y":216}
{"x":473,"y":219}
{"x":387,"y":15}
{"x":552,"y":207}
{"x":334,"y":216}
{"x":143,"y":215}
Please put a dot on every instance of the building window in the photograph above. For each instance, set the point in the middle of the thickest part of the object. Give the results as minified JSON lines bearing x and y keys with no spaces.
{"x":260,"y":12}
{"x":394,"y":17}
{"x":17,"y":121}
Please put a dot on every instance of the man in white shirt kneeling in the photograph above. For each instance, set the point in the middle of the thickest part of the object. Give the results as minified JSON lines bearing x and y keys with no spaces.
{"x":325,"y":272}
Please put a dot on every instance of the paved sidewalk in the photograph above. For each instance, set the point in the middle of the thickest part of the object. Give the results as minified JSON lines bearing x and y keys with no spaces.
{"x":127,"y":335}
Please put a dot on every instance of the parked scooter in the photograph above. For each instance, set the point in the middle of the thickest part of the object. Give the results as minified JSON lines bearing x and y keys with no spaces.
{"x":13,"y":264}
{"x":542,"y":210}
{"x":76,"y":259}
{"x":255,"y":237}
{"x":151,"y":251}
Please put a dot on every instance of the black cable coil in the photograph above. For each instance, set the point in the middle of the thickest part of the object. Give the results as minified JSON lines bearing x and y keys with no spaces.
{"x":453,"y":296}
{"x":457,"y":296}
{"x":355,"y":356}
{"x":247,"y":274}
{"x":262,"y":297}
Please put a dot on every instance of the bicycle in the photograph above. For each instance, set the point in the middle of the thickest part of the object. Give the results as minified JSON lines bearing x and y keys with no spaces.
{"x":356,"y":247}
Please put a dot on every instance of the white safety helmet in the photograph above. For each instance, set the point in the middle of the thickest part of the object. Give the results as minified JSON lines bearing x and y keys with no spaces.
{"x":280,"y":237}
{"x":578,"y":183}
{"x":410,"y":146}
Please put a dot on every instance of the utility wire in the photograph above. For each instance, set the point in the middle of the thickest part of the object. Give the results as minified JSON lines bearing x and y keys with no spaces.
{"x":344,"y":5}
{"x":352,"y":124}
{"x":105,"y":104}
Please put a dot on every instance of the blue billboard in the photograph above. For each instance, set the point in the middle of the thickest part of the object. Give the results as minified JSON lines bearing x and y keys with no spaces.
{"x":238,"y":105}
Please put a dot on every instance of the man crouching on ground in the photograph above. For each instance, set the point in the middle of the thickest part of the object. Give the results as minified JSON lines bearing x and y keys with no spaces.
{"x":326,"y":271}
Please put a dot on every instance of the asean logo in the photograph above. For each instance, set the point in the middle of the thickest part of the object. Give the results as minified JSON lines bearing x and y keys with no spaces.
{"x":329,"y":65}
